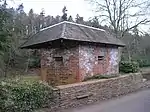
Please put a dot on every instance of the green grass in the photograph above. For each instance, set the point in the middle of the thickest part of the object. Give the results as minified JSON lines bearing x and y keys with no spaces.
{"x":22,"y":79}
{"x":29,"y":79}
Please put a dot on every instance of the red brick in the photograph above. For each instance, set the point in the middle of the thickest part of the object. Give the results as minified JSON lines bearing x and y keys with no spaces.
{"x":78,"y":63}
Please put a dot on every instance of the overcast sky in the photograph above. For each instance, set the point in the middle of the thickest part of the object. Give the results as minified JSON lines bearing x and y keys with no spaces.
{"x":54,"y":7}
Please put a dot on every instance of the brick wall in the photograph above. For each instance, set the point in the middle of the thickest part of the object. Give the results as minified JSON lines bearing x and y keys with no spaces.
{"x":57,"y":71}
{"x":78,"y":63}
{"x":89,"y":64}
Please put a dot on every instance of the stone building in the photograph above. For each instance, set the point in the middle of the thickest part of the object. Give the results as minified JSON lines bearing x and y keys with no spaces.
{"x":71,"y":52}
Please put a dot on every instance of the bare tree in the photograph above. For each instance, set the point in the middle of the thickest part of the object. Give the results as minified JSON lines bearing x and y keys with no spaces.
{"x":121,"y":15}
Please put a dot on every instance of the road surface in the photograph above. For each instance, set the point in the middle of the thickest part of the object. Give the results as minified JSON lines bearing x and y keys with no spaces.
{"x":136,"y":102}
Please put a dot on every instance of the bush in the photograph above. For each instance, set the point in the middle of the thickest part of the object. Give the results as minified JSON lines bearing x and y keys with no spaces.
{"x":144,"y":62}
{"x":23,"y":97}
{"x":128,"y":66}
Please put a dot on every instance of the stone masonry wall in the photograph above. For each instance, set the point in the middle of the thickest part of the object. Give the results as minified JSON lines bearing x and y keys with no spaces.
{"x":78,"y":63}
{"x":89,"y":64}
{"x":60,"y":65}
{"x":74,"y":95}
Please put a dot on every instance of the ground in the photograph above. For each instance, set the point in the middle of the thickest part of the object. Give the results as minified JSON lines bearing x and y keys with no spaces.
{"x":145,"y":69}
{"x":135,"y":102}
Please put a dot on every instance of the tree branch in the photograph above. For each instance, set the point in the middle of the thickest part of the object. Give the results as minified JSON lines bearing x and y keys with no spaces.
{"x":145,"y":21}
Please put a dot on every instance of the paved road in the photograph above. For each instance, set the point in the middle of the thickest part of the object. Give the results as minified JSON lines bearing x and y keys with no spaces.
{"x":136,"y":102}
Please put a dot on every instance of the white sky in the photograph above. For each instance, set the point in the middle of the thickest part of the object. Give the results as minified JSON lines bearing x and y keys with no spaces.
{"x":54,"y":7}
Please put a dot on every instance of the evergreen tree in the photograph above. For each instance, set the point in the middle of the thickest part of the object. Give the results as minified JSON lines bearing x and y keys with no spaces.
{"x":64,"y":17}
{"x":79,"y":19}
{"x":70,"y":19}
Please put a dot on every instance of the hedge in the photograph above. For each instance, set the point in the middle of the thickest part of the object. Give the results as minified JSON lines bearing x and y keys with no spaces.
{"x":24,"y":97}
{"x":128,"y":66}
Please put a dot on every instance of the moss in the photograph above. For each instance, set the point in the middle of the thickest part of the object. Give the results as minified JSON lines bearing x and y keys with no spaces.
{"x":100,"y":77}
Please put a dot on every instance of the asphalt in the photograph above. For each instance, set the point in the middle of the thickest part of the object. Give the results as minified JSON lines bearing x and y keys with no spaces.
{"x":135,"y":102}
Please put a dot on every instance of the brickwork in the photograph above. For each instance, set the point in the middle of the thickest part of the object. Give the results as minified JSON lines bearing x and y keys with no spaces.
{"x":60,"y":71}
{"x":83,"y":93}
{"x":74,"y":95}
{"x":70,"y":65}
{"x":90,"y":65}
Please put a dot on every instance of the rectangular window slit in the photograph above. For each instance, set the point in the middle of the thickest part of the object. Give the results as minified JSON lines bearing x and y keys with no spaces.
{"x":58,"y":58}
{"x":100,"y":58}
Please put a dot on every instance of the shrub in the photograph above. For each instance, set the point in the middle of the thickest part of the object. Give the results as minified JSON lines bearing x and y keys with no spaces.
{"x":144,"y":62}
{"x":128,"y":66}
{"x":23,"y":97}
